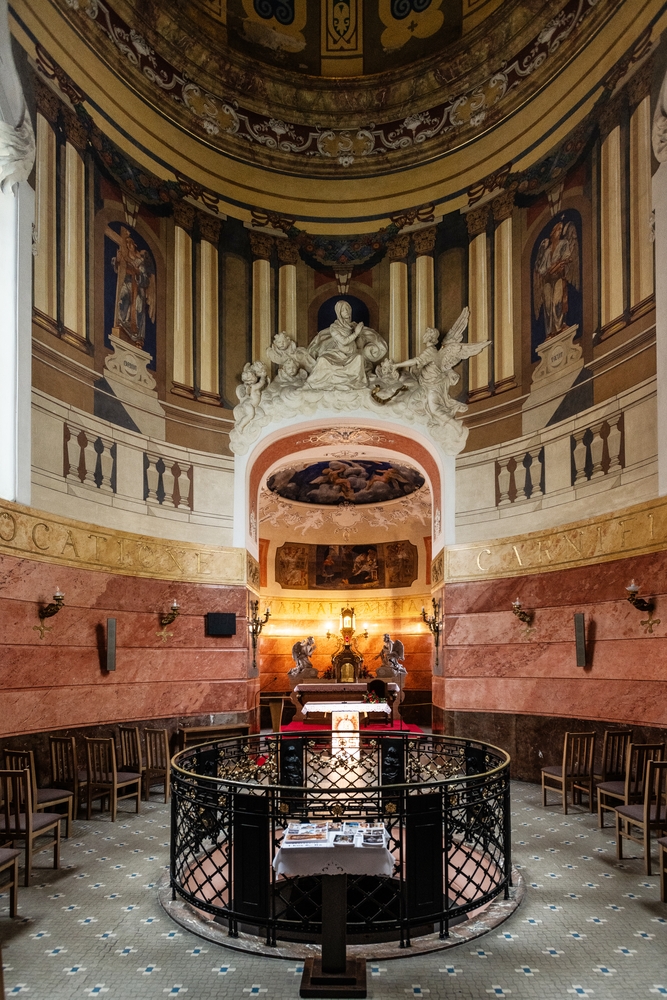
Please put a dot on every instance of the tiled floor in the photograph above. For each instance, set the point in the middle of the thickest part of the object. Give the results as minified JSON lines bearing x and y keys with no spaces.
{"x":589,"y":926}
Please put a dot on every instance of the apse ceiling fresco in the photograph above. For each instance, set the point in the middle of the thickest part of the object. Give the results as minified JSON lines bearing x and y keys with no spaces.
{"x":339,"y":83}
{"x":345,"y":481}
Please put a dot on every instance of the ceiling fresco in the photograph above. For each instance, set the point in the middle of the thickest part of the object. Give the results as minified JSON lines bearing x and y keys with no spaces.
{"x":356,"y":481}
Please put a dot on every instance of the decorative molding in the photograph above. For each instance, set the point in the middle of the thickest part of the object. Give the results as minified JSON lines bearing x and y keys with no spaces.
{"x":33,"y":534}
{"x":261,"y":245}
{"x":76,"y":132}
{"x":209,"y":228}
{"x":610,"y":115}
{"x":225,"y":118}
{"x":48,"y":102}
{"x":184,"y":215}
{"x":424,"y":241}
{"x":438,"y":570}
{"x":373,"y":609}
{"x":288,"y":253}
{"x":477,"y":220}
{"x":252,"y":573}
{"x":399,"y":247}
{"x":639,"y":84}
{"x":503,"y":206}
{"x":632,"y":532}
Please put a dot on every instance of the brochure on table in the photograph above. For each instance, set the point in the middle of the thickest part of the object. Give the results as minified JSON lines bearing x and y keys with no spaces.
{"x":351,"y":834}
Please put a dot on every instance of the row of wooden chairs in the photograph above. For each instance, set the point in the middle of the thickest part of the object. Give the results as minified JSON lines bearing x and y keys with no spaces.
{"x":632,"y":784}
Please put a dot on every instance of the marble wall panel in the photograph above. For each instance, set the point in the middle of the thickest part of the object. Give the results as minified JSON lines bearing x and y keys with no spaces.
{"x":490,"y":662}
{"x":60,"y":680}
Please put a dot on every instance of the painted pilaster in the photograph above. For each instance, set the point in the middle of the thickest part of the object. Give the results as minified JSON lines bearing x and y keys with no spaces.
{"x":642,"y":283}
{"x":399,"y":330}
{"x":288,"y":255}
{"x":262,"y":330}
{"x":183,"y":365}
{"x":74,"y":228}
{"x":503,"y":285}
{"x":612,"y":297}
{"x":478,"y":299}
{"x":659,"y":190}
{"x":424,"y":243}
{"x":209,"y":334}
{"x":46,"y":252}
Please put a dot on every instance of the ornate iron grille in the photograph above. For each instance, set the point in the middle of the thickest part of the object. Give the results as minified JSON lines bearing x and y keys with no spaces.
{"x":443,"y":800}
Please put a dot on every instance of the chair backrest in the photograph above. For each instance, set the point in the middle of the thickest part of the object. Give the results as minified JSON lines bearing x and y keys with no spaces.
{"x":130,"y":748}
{"x":15,"y":790}
{"x":639,"y":754}
{"x":101,"y":760}
{"x":64,"y":765}
{"x":578,"y":754}
{"x":655,"y":796}
{"x":157,"y":748}
{"x":20,"y":760}
{"x":614,"y":749}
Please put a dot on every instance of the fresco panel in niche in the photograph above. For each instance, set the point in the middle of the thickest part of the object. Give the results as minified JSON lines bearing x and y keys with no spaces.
{"x":346,"y":567}
{"x":283,"y":32}
{"x":555,"y":269}
{"x":406,"y":30}
{"x":129,"y":288}
{"x":355,"y":482}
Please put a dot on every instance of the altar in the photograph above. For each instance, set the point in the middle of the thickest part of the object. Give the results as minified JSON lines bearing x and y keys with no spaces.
{"x":306,"y":697}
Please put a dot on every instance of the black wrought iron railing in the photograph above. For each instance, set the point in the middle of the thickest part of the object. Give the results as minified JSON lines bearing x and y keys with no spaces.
{"x":443,"y":800}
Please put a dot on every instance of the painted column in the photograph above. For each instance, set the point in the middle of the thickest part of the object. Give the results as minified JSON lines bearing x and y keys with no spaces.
{"x":262,"y":333}
{"x":288,"y":255}
{"x":46,"y":252}
{"x":399,"y":321}
{"x":478,"y":300}
{"x":642,"y":282}
{"x":424,"y":243}
{"x":183,"y":366}
{"x":659,"y":189}
{"x":17,"y":207}
{"x":503,"y":291}
{"x":74,"y":229}
{"x":209,"y":327}
{"x":612,"y":297}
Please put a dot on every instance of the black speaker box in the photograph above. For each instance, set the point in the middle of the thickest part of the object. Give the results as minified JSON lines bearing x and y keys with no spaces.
{"x":220,"y":624}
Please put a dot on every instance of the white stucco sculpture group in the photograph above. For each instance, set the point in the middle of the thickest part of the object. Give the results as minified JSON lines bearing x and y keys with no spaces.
{"x":346,"y":368}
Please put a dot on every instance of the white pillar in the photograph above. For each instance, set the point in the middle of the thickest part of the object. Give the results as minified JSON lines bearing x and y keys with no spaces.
{"x":262,"y":328}
{"x":46,"y":258}
{"x":209,"y":333}
{"x":183,"y":370}
{"x":611,"y":230}
{"x":17,"y":206}
{"x":660,"y":210}
{"x":641,"y":246}
{"x":503,"y":285}
{"x":399,"y":319}
{"x":288,"y":255}
{"x":478,"y":300}
{"x":424,"y":244}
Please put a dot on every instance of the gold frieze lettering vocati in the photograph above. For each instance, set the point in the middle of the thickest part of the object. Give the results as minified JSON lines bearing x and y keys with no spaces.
{"x":33,"y":534}
{"x":630,"y":532}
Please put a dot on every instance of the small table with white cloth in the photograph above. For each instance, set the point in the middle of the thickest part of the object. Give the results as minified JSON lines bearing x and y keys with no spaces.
{"x":334,"y":974}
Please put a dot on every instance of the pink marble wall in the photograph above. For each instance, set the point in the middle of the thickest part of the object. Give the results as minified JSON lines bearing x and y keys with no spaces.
{"x":59,"y":682}
{"x":491,"y":665}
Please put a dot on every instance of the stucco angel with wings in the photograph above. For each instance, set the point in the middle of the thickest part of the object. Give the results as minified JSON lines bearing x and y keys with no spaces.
{"x":556,"y":268}
{"x":433,"y":368}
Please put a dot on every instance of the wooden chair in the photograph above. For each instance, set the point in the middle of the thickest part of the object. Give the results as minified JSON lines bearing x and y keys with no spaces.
{"x":42,"y":798}
{"x":131,"y":756}
{"x":104,"y":779}
{"x":19,"y":822}
{"x":65,"y":770}
{"x":575,"y":774}
{"x":651,"y":814}
{"x":9,"y":861}
{"x":631,"y":790}
{"x":158,"y":764}
{"x":662,"y":861}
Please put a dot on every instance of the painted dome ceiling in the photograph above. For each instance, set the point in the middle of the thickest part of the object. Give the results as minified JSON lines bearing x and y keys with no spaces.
{"x":313,"y":86}
{"x":345,"y":481}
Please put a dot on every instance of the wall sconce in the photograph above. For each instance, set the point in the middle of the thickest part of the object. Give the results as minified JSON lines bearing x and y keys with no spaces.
{"x":434,"y":623}
{"x":524,"y":616}
{"x":638,"y":602}
{"x":255,"y":626}
{"x":172,"y":615}
{"x":365,"y":632}
{"x":52,"y":609}
{"x":642,"y":605}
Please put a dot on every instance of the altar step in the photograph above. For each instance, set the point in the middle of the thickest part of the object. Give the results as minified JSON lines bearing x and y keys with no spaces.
{"x":309,"y":727}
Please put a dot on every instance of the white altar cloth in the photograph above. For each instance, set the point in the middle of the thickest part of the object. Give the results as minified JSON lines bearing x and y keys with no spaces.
{"x":327,"y":707}
{"x":295,"y":861}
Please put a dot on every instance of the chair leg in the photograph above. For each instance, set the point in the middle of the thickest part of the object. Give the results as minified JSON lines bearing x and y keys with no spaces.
{"x":114,"y":805}
{"x":544,"y":793}
{"x":167,"y":787}
{"x":28,"y":862}
{"x":647,"y":849}
{"x":619,"y":838}
{"x":600,"y":812}
{"x":564,"y":792}
{"x":139,"y":796}
{"x":56,"y":848}
{"x":89,"y":811}
{"x":68,"y":823}
{"x":14,"y":891}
